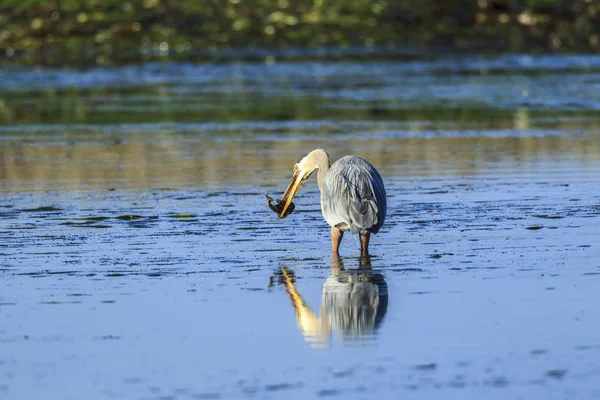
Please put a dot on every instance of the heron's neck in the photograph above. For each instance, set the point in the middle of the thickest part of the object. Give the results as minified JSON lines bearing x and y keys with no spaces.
{"x":322,"y":172}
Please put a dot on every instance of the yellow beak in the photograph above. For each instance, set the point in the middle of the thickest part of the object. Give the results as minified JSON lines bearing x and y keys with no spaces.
{"x":291,"y":190}
{"x":300,"y":176}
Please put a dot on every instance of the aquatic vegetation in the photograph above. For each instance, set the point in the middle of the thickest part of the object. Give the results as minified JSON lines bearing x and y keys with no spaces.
{"x":99,"y":31}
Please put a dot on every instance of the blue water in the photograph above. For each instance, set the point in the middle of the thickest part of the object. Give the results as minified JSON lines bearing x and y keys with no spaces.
{"x":138,"y":257}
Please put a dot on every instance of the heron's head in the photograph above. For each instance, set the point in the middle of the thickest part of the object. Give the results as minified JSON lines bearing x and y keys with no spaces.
{"x":303,"y":169}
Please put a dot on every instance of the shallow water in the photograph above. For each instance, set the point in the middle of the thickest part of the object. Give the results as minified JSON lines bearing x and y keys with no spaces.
{"x":139,"y":258}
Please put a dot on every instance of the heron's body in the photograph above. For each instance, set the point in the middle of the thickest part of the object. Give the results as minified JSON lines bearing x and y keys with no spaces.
{"x":352,"y":195}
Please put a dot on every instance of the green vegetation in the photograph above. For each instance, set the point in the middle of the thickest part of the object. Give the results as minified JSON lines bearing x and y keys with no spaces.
{"x":109,"y":30}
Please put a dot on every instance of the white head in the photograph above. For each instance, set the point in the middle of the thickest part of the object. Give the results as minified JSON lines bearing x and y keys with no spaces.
{"x":303,"y":169}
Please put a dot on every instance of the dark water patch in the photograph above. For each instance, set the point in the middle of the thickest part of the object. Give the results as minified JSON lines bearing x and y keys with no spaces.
{"x":534,"y":227}
{"x":426,"y":367}
{"x":556,"y":373}
{"x":71,"y":272}
{"x":437,"y":192}
{"x":132,"y":217}
{"x":214,"y":214}
{"x":9,"y":214}
{"x":244,"y":194}
{"x":108,"y":337}
{"x":301,"y":259}
{"x":206,"y":271}
{"x":538,"y":352}
{"x":230,"y":260}
{"x":89,"y":225}
{"x":543,"y":216}
{"x":216,"y":194}
{"x":344,"y":374}
{"x":47,"y":273}
{"x":267,"y":250}
{"x":282,"y":386}
{"x":119,"y":274}
{"x":254,"y":228}
{"x":140,"y":224}
{"x":132,"y":381}
{"x":498,"y":381}
{"x":42,"y":209}
{"x":23,"y":227}
{"x":405,"y":270}
{"x":78,"y":294}
{"x":590,"y":273}
{"x":328,"y":392}
{"x":205,"y":396}
{"x":94,"y":219}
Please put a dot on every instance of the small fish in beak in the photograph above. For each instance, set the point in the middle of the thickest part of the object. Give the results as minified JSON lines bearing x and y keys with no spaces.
{"x":278,"y":208}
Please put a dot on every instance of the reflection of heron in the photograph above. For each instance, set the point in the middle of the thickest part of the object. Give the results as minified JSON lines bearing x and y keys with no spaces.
{"x":353,"y":303}
{"x":352,"y":195}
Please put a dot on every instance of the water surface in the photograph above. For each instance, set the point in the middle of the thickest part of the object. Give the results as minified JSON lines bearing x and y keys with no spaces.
{"x":139,"y":259}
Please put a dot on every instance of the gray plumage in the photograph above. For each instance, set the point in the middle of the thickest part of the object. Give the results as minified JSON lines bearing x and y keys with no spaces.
{"x":353,"y":196}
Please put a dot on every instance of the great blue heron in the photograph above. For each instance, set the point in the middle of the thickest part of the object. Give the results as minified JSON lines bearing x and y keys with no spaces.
{"x":352,"y":195}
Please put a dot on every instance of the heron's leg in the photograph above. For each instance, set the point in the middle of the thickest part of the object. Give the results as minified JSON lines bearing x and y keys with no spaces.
{"x":364,"y":244}
{"x":336,"y":239}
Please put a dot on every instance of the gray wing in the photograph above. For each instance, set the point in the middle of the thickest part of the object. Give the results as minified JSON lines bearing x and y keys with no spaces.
{"x":353,"y":196}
